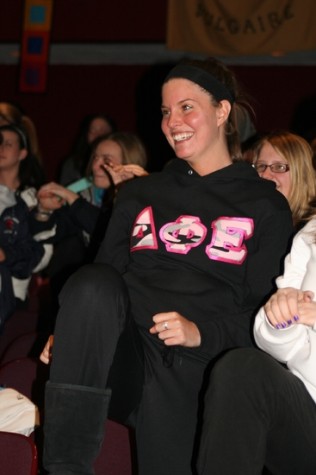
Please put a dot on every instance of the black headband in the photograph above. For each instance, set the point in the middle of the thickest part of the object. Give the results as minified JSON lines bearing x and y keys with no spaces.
{"x":204,"y":79}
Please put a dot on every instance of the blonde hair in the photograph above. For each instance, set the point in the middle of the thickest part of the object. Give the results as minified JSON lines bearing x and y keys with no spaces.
{"x":133,"y":150}
{"x":299,"y":156}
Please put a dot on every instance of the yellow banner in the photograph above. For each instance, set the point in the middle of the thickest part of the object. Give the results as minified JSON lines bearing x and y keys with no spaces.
{"x":241,"y":27}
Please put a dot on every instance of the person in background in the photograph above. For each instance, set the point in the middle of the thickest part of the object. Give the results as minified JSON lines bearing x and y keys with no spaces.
{"x":260,"y":407}
{"x":20,"y":254}
{"x":21,"y":174}
{"x":25,"y":173}
{"x":19,"y":168}
{"x":115,"y":158}
{"x":74,"y":167}
{"x":78,"y":220}
{"x":12,"y":114}
{"x":174,"y":284}
{"x":287,"y":160}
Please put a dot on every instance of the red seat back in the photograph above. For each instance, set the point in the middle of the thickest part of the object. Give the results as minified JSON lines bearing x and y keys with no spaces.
{"x":26,"y":375}
{"x":18,"y":454}
{"x":27,"y":344}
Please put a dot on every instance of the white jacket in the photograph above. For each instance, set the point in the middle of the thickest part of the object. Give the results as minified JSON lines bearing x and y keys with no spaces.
{"x":294,"y":345}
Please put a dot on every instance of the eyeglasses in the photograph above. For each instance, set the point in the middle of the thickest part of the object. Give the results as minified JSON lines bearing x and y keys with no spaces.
{"x":274,"y":167}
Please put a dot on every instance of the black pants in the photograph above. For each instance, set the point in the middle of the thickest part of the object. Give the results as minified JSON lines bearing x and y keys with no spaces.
{"x":92,"y":315}
{"x":257,"y":413}
{"x":96,"y":345}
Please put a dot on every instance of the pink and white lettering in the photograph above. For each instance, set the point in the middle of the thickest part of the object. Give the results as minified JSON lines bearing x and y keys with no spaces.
{"x":180,"y":236}
{"x":144,"y":232}
{"x":183,"y":234}
{"x":228,"y":238}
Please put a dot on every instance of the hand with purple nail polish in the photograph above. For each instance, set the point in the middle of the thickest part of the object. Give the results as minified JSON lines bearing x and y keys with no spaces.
{"x":281,"y":307}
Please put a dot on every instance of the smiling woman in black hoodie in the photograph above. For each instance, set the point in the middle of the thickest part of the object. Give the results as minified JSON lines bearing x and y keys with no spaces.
{"x":189,"y":255}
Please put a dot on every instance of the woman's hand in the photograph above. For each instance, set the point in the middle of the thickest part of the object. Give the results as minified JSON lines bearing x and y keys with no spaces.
{"x":285,"y":306}
{"x":121,"y":173}
{"x":53,"y":196}
{"x":174,"y":329}
{"x":46,"y":355}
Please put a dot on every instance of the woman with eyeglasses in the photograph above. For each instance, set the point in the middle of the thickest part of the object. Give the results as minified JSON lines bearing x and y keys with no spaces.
{"x":270,"y":407}
{"x":287,"y":159}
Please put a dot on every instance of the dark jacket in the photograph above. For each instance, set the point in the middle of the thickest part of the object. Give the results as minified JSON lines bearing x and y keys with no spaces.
{"x":22,"y":253}
{"x":208,"y":247}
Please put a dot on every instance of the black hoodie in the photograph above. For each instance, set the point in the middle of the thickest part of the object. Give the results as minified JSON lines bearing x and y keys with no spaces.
{"x":208,"y":247}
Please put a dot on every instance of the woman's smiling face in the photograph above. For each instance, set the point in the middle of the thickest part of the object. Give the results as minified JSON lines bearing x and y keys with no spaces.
{"x":187,"y":114}
{"x":190,"y":122}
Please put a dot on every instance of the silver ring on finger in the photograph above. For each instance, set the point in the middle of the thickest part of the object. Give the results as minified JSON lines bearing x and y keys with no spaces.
{"x":165,"y":326}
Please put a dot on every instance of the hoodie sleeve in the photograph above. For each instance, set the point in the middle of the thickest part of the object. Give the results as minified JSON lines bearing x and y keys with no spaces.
{"x":115,"y":248}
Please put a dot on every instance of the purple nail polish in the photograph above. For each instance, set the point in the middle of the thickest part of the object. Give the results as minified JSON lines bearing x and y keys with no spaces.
{"x":289,"y":322}
{"x":296,"y":318}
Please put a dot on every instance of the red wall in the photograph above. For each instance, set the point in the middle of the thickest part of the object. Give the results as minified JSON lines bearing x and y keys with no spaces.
{"x":93,"y":20}
{"x":131,"y":93}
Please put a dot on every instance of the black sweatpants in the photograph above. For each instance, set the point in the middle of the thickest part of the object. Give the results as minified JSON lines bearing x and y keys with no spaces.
{"x":257,"y":413}
{"x":96,"y":345}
